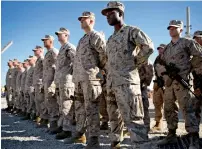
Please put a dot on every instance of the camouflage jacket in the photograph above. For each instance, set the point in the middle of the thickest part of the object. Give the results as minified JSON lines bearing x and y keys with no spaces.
{"x":90,"y":57}
{"x":126,"y":50}
{"x":179,"y":54}
{"x":29,"y":78}
{"x":8,"y":78}
{"x":22,"y":81}
{"x":49,"y":65}
{"x":38,"y":72}
{"x":14,"y":74}
{"x":64,"y":64}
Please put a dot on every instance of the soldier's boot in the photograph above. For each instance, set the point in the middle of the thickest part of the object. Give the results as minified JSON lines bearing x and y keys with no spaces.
{"x":53,"y":126}
{"x":14,"y":110}
{"x":194,"y":141}
{"x":157,"y":127}
{"x":77,"y":138}
{"x":33,"y":116}
{"x":23,"y":114}
{"x":93,"y":143}
{"x":43,"y":124}
{"x":56,"y":130}
{"x":63,"y":135}
{"x":27,"y":116}
{"x":116,"y":145}
{"x":169,"y":139}
{"x":37,"y":119}
{"x":104,"y":126}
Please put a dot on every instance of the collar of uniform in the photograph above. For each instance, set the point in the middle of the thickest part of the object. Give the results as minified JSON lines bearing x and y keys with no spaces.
{"x":62,"y":47}
{"x":175,"y":42}
{"x":115,"y":32}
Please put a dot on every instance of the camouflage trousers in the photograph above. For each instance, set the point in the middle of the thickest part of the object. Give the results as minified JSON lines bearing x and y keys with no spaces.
{"x":66,"y":106}
{"x":31,"y":107}
{"x":8,"y":97}
{"x":18,"y":100}
{"x":158,"y":103}
{"x":186,"y":103}
{"x":124,"y":106}
{"x":15,"y":99}
{"x":145,"y":101}
{"x":23,"y":103}
{"x":87,"y":107}
{"x":51,"y":102}
{"x":103,"y":106}
{"x":38,"y":99}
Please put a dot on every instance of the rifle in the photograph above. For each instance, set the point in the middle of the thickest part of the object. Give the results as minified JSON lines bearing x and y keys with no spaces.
{"x":172,"y":71}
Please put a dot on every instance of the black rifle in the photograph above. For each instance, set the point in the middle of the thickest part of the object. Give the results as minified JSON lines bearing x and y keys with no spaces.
{"x":172,"y":71}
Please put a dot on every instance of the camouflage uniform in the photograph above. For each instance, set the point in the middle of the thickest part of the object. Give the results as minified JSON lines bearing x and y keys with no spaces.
{"x":197,"y":69}
{"x":29,"y":90}
{"x":37,"y":83}
{"x":90,"y":57}
{"x":14,"y":74}
{"x":23,"y":103}
{"x":126,"y":50}
{"x":49,"y":86}
{"x":63,"y":81}
{"x":18,"y":88}
{"x":158,"y":93}
{"x":179,"y":54}
{"x":146,"y":75}
{"x":8,"y":86}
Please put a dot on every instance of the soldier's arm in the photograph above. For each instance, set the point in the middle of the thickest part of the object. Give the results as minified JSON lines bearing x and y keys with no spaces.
{"x":71,"y":53}
{"x":144,"y":45}
{"x":98,"y":42}
{"x":194,"y":48}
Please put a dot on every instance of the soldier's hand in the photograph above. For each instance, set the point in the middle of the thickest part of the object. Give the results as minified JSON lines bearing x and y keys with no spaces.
{"x":198,"y":92}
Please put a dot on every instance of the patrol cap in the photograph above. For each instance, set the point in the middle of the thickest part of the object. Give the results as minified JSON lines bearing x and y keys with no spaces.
{"x":30,"y":57}
{"x":175,"y":23}
{"x":161,"y":46}
{"x":48,"y":37}
{"x":197,"y":34}
{"x":18,"y":64}
{"x":87,"y":14}
{"x":37,"y":47}
{"x":113,"y":5}
{"x":63,"y":30}
{"x":25,"y":61}
{"x":15,"y":60}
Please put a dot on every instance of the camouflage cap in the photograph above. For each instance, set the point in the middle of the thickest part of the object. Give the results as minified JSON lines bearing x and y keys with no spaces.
{"x":37,"y":47}
{"x":30,"y":57}
{"x":48,"y":37}
{"x":25,"y":61}
{"x":87,"y":14}
{"x":15,"y":60}
{"x":175,"y":23}
{"x":63,"y":30}
{"x":18,"y":64}
{"x":161,"y":46}
{"x":113,"y":5}
{"x":10,"y":60}
{"x":197,"y":34}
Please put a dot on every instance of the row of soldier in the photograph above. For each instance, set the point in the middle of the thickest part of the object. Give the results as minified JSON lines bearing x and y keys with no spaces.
{"x":69,"y":89}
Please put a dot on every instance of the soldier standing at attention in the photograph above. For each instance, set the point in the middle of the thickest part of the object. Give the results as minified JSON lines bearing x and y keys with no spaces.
{"x":37,"y":82}
{"x":177,"y":54}
{"x":49,"y":67}
{"x":8,"y":85}
{"x":127,"y":48}
{"x":90,"y":59}
{"x":64,"y":70}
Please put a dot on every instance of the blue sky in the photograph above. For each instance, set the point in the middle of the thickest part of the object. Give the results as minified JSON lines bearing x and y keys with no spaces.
{"x":25,"y":23}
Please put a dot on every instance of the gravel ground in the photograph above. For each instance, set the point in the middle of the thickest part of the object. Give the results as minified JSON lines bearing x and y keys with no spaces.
{"x":18,"y":134}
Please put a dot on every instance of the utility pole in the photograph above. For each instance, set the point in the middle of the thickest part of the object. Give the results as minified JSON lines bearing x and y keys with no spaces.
{"x":6,"y":46}
{"x":188,"y":26}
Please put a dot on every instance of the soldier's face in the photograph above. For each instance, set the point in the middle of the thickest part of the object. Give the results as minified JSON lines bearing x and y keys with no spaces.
{"x":199,"y":40}
{"x":10,"y":64}
{"x":113,"y":17}
{"x":47,"y":42}
{"x":160,"y":50}
{"x":174,"y":31}
{"x":85,"y":23}
{"x":62,"y":37}
{"x":37,"y":52}
{"x":26,"y":64}
{"x":15,"y":63}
